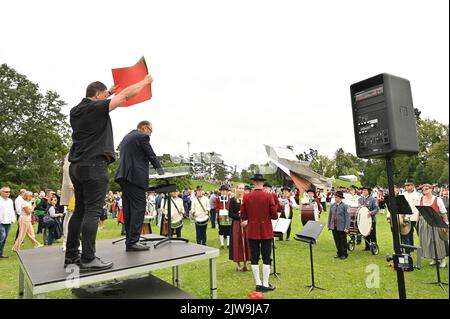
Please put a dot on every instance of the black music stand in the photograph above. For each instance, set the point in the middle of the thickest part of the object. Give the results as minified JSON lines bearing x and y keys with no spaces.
{"x":280,"y":226}
{"x":434,"y":220}
{"x":165,"y":188}
{"x":309,"y":235}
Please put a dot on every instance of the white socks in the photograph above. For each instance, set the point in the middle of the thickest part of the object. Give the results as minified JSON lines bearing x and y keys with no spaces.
{"x":228,"y":241}
{"x":255,"y":270}
{"x":221,"y":240}
{"x":266,"y":274}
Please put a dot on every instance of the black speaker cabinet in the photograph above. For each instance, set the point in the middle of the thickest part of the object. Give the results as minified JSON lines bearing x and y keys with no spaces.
{"x":383,"y":117}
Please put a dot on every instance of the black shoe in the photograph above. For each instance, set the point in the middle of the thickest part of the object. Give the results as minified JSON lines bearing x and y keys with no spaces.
{"x":137,"y":247}
{"x":366,"y":249}
{"x":221,"y":246}
{"x":95,"y":265}
{"x":270,"y":288}
{"x":343,"y":257}
{"x":4,"y":256}
{"x":259,"y":288}
{"x":337,"y":256}
{"x":72,"y":261}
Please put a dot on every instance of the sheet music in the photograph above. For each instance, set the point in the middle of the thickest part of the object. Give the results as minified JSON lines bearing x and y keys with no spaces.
{"x":281,"y":225}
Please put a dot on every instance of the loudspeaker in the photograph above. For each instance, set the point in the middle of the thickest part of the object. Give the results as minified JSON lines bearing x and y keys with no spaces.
{"x":383,"y":117}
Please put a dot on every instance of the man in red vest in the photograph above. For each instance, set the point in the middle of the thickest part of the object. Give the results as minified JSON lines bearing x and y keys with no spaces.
{"x":257,"y":210}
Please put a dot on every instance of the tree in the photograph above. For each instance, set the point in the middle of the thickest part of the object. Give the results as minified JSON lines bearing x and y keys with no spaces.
{"x":34,"y":134}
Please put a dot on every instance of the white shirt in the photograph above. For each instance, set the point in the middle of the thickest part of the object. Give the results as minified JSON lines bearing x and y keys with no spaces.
{"x":7,"y":213}
{"x":18,"y":204}
{"x":175,"y":214}
{"x":196,"y":208}
{"x":413,"y":200}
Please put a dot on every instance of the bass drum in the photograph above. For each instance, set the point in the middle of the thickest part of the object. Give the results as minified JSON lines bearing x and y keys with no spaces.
{"x":364,"y":221}
{"x":307,"y":213}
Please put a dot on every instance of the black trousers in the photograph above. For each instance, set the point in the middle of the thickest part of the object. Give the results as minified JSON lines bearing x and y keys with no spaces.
{"x":90,"y":181}
{"x":340,"y":240}
{"x":260,"y":247}
{"x":134,"y":205}
{"x":372,"y":236}
{"x":201,"y":234}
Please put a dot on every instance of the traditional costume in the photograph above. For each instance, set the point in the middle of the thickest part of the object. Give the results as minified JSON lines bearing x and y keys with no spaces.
{"x":239,"y":250}
{"x":258,"y":209}
{"x":222,"y":206}
{"x":200,"y":208}
{"x":371,"y":203}
{"x":339,"y":224}
{"x":176,"y":215}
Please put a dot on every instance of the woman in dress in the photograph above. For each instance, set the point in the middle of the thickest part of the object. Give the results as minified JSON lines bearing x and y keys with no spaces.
{"x":426,"y":231}
{"x":239,"y":250}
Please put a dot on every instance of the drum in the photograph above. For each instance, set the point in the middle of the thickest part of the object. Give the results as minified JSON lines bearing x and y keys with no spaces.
{"x":364,"y":221}
{"x":147,"y":219}
{"x":177,"y":223}
{"x":224,"y":219}
{"x":202,"y":220}
{"x":307,"y":213}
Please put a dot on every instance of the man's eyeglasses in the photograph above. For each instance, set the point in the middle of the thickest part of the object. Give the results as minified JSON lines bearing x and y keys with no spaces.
{"x":6,"y":192}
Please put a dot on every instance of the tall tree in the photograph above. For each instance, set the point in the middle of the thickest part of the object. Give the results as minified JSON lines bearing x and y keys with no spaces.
{"x":34,"y":134}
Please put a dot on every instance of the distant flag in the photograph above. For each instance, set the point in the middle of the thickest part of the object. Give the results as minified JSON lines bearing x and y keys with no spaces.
{"x":124,"y":77}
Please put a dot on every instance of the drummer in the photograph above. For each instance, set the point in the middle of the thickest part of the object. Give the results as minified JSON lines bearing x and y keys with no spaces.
{"x":371,"y":203}
{"x":223,"y":204}
{"x":339,"y":224}
{"x":313,"y":200}
{"x":350,"y":198}
{"x":176,"y":213}
{"x":200,"y":208}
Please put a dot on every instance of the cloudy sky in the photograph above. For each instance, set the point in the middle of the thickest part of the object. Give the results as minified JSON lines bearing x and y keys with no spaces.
{"x":230,"y":76}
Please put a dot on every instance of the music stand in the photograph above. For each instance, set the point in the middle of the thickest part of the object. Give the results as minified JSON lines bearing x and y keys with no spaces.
{"x":280,"y":226}
{"x":310,"y":233}
{"x":433,"y":220}
{"x":166,"y":188}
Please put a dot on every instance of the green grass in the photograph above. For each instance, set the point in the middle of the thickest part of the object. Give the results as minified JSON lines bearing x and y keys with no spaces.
{"x":341,"y":183}
{"x":207,"y":186}
{"x":341,"y":279}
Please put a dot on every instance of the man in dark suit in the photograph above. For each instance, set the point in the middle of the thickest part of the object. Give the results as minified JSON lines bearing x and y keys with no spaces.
{"x":132,"y":175}
{"x":339,"y":223}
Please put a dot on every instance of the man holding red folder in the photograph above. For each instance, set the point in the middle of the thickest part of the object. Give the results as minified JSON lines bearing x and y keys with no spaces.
{"x":91,"y":152}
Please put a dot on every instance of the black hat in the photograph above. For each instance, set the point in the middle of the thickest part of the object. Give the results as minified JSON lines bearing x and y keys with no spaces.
{"x":267,"y":184}
{"x":286,"y":188}
{"x":224,"y":188}
{"x":368,"y":188}
{"x":199,"y":188}
{"x":339,"y":194}
{"x":248,"y":187}
{"x":310,"y":191}
{"x":258,"y":178}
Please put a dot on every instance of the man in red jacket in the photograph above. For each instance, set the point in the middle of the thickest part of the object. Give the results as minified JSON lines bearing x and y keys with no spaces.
{"x":257,"y":210}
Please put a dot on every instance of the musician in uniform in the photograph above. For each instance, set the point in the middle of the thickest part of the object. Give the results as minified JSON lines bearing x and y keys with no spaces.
{"x":176,"y":214}
{"x":200,"y":208}
{"x":413,"y":198}
{"x":247,"y":189}
{"x":313,"y":200}
{"x":257,"y":211}
{"x":287,"y":204}
{"x":352,"y":198}
{"x":371,"y":203}
{"x":222,"y":205}
{"x":239,"y":250}
{"x":339,"y":224}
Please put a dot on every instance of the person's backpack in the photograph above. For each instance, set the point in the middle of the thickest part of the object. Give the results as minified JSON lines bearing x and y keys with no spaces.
{"x":49,"y":222}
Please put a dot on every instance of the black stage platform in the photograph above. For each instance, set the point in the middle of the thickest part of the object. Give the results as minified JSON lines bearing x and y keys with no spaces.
{"x":42,"y":269}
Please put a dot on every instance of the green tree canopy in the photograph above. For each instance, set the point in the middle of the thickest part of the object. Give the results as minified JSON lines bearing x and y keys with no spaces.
{"x":34,"y":134}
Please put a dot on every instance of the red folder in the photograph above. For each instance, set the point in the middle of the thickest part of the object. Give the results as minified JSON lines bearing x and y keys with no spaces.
{"x":124,"y":77}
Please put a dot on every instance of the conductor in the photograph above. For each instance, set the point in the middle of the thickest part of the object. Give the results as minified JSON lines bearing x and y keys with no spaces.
{"x":132,"y":176}
{"x":91,"y":152}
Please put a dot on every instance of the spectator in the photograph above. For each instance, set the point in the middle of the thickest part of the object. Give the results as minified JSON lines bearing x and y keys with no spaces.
{"x":212,"y":213}
{"x":7,"y":216}
{"x":41,"y":206}
{"x":25,"y":226}
{"x":54,"y":230}
{"x":18,"y":207}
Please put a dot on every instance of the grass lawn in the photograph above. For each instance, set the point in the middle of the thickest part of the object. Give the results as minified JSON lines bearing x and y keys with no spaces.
{"x":341,"y":279}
